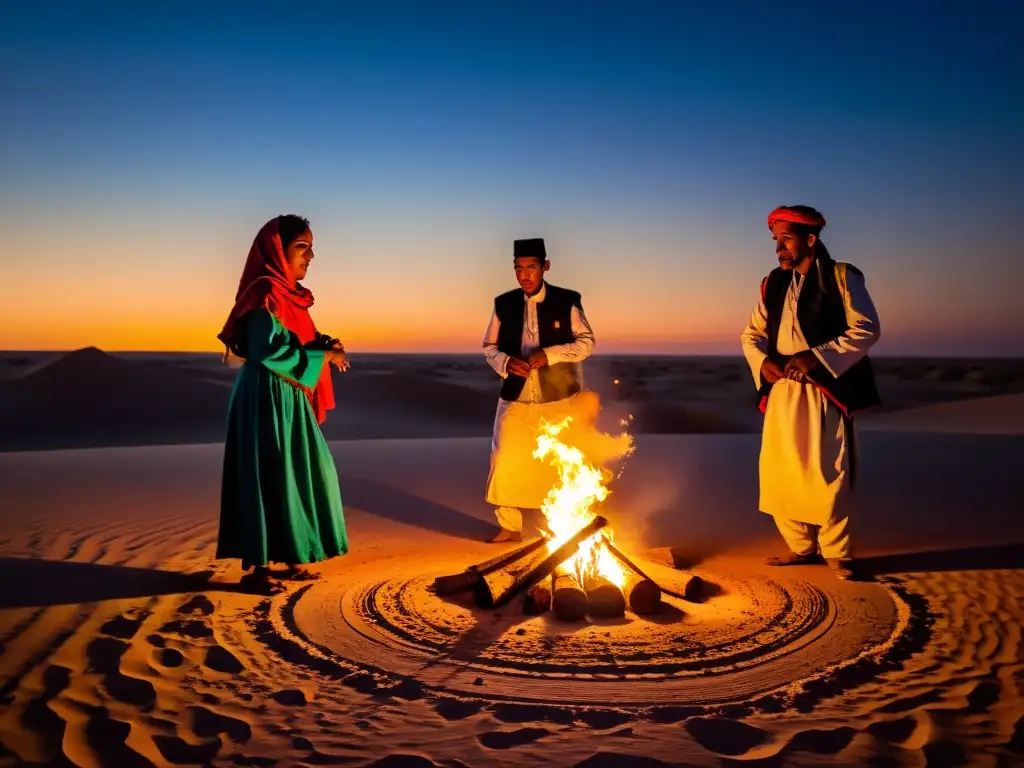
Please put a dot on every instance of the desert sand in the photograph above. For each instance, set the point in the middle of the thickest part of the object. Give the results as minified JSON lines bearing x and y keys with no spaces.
{"x":124,"y":642}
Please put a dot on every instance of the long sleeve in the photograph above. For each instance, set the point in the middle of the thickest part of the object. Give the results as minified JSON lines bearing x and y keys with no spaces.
{"x":495,"y":357}
{"x":843,"y":352}
{"x":580,"y":348}
{"x":755,"y":341}
{"x":272,"y":345}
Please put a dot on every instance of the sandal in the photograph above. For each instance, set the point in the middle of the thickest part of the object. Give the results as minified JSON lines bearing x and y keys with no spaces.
{"x":792,"y":558}
{"x":257,"y":583}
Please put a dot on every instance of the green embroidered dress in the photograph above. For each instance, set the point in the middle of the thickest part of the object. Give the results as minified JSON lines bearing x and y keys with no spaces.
{"x":280,"y":500}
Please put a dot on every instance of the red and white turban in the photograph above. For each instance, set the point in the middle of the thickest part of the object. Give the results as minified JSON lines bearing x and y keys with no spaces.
{"x":796,"y":215}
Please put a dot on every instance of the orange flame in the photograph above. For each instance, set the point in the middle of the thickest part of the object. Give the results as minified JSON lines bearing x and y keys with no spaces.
{"x":569,"y":505}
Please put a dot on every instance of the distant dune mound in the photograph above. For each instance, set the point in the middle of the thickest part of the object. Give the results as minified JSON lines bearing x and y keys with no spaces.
{"x":89,"y":397}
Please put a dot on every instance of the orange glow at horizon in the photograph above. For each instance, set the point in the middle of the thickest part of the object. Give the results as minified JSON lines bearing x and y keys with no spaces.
{"x":111,"y":297}
{"x":160,"y":320}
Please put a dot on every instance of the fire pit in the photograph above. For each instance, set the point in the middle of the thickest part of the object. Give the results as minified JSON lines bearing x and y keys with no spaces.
{"x":574,"y":568}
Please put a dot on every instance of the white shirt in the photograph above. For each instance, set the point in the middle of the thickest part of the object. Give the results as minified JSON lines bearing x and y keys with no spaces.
{"x":574,"y":352}
{"x":837,"y":355}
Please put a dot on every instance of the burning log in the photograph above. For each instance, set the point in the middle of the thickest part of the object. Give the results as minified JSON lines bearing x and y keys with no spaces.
{"x":498,"y":587}
{"x":605,"y":598}
{"x":693,"y":588}
{"x":568,"y":599}
{"x":463,"y":582}
{"x":642,"y":595}
{"x":538,"y":600}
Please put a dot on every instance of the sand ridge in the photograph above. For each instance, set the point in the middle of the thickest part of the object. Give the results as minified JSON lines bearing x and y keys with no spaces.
{"x":123,"y":644}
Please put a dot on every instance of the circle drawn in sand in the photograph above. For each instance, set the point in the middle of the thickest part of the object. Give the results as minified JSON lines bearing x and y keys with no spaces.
{"x":758,"y":635}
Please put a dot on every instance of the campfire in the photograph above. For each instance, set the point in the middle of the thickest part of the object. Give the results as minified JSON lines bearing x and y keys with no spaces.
{"x":574,"y":569}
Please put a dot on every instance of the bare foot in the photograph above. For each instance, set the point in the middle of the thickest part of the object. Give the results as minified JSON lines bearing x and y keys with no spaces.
{"x":843,"y":569}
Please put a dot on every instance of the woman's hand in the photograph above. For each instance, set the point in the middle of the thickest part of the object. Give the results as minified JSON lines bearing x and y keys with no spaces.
{"x":323,"y":341}
{"x":338,"y":358}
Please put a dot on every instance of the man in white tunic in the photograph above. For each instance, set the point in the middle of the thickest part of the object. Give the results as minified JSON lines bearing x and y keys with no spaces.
{"x":536,"y":340}
{"x":807,"y":344}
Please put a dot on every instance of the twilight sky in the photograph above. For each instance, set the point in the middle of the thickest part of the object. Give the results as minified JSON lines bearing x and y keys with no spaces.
{"x":143,"y":144}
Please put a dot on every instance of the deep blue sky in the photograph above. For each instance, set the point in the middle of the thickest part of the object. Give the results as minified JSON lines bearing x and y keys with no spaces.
{"x":141,"y":148}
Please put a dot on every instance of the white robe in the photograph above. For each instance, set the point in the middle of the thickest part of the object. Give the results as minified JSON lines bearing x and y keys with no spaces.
{"x":516,"y":479}
{"x":805,"y":460}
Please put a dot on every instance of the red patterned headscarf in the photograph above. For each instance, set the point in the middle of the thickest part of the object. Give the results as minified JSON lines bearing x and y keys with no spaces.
{"x":796,"y":214}
{"x":266,"y":284}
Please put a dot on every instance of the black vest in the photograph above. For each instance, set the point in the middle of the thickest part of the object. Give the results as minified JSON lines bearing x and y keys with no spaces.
{"x":554,"y":325}
{"x":822,"y":317}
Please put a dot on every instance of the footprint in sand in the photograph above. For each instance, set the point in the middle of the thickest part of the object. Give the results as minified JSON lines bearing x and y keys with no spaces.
{"x":178,"y":751}
{"x":37,"y":715}
{"x":1016,"y":742}
{"x":107,"y":738}
{"x":945,"y":752}
{"x":408,"y":689}
{"x":206,"y":724}
{"x":199,"y":604}
{"x":821,"y":741}
{"x":363,"y":682}
{"x":187,"y":628}
{"x":169,"y":657}
{"x":603,"y":719}
{"x":220,"y":659}
{"x":894,"y":731}
{"x":457,"y":709}
{"x":104,"y":656}
{"x":619,"y":760}
{"x":290,"y":697}
{"x":726,"y":737}
{"x":123,"y":627}
{"x":509,"y":739}
{"x":985,"y":694}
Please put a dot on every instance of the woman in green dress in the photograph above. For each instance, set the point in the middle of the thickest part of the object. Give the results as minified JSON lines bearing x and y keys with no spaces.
{"x":280,"y":500}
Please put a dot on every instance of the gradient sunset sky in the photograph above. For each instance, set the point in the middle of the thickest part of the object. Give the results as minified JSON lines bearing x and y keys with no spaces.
{"x":143,"y":144}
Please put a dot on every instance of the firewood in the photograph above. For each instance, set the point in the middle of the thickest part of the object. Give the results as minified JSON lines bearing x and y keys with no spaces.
{"x":537,"y":600}
{"x":568,"y":599}
{"x":463,"y":582}
{"x":693,"y":586}
{"x":605,"y":598}
{"x":497,"y":588}
{"x":643,"y":596}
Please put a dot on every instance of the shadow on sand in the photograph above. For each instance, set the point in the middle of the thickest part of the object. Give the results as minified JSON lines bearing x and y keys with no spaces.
{"x":1002,"y":556}
{"x":401,"y":507}
{"x":26,"y":583}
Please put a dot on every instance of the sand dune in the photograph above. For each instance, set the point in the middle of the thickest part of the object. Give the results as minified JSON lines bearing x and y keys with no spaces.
{"x":123,"y":643}
{"x":89,"y":398}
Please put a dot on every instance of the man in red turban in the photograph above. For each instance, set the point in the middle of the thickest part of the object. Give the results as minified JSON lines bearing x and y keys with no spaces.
{"x":807,"y":343}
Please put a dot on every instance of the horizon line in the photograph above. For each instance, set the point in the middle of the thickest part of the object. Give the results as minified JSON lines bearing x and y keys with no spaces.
{"x":435,"y":353}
